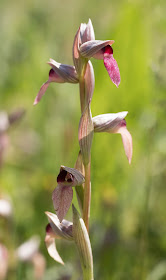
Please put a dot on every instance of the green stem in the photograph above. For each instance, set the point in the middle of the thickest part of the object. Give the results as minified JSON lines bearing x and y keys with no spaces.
{"x":87,"y":195}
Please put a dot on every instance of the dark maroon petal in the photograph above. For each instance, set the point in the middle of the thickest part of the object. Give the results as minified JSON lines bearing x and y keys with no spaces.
{"x":62,"y":197}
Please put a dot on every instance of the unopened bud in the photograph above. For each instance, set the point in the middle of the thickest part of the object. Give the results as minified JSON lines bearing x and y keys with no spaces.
{"x":87,"y":32}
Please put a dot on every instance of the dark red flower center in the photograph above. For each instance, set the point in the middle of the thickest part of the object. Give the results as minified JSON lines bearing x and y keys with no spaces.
{"x":64,"y":176}
{"x":48,"y":229}
{"x":123,"y":123}
{"x":108,"y":50}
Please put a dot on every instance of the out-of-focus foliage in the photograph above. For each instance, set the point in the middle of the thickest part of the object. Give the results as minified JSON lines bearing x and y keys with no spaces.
{"x":128,"y":210}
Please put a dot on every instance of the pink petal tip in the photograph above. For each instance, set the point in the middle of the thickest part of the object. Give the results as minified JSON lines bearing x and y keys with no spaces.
{"x":127,"y":142}
{"x":41,"y":92}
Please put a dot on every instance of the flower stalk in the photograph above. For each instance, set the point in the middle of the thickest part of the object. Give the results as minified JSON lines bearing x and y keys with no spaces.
{"x":87,"y":195}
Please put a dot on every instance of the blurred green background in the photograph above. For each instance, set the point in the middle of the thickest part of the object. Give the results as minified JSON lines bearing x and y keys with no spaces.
{"x":128,"y":210}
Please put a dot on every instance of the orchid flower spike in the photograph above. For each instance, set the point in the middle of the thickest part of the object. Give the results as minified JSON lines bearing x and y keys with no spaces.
{"x":56,"y":230}
{"x":63,"y":194}
{"x":102,"y":50}
{"x":59,"y":73}
{"x":115,"y":123}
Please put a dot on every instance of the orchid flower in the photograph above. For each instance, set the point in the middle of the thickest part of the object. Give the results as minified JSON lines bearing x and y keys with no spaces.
{"x":102,"y":50}
{"x":85,"y":46}
{"x":63,"y":194}
{"x":59,"y":73}
{"x":115,"y":123}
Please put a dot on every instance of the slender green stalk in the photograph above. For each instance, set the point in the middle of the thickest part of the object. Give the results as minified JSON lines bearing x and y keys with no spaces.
{"x":87,"y":195}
